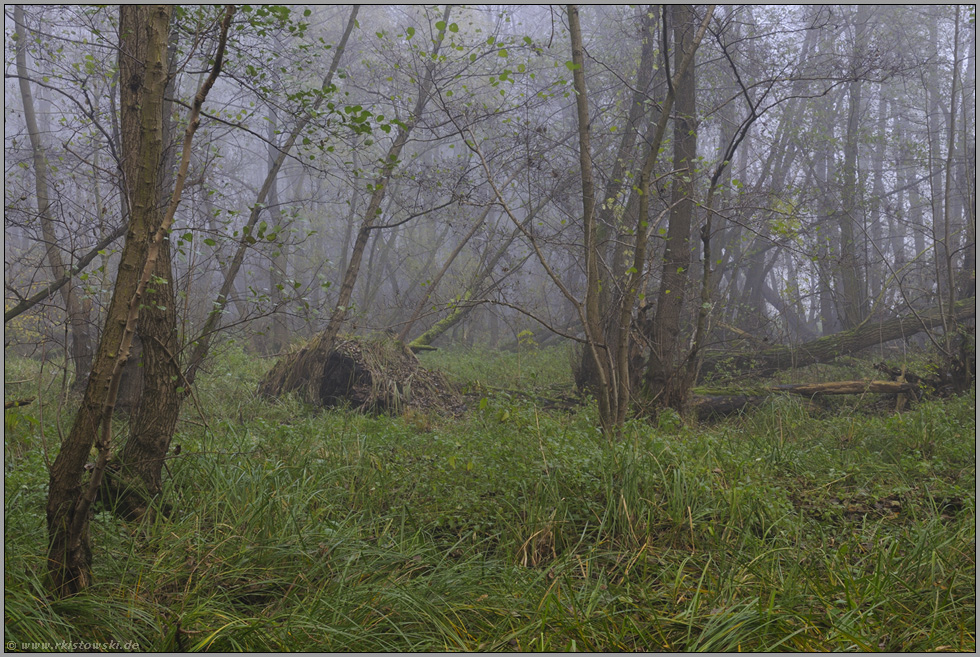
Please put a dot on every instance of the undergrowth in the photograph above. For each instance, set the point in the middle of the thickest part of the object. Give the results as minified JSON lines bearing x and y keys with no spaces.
{"x":517,"y":528}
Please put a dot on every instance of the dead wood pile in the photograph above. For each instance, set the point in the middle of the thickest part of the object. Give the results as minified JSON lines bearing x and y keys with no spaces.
{"x":377,"y":374}
{"x":723,"y":403}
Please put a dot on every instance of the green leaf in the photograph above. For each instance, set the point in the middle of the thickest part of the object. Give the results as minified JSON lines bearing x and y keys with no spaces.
{"x":440,"y":25}
{"x":410,"y":32}
{"x":572,"y":66}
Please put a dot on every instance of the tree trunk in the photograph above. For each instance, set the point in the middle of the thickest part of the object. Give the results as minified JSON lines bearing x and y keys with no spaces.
{"x":609,"y":228}
{"x":825,"y":230}
{"x":82,"y":339}
{"x":135,"y":479}
{"x":854,"y":306}
{"x":844,"y":388}
{"x":597,"y":348}
{"x":277,"y":337}
{"x":143,"y":76}
{"x":143,"y":79}
{"x":666,"y":377}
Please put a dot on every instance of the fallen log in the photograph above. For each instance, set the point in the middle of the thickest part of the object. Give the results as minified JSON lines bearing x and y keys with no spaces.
{"x":826,"y":349}
{"x":845,"y":388}
{"x":719,"y":406}
{"x":719,"y":403}
{"x":18,"y":402}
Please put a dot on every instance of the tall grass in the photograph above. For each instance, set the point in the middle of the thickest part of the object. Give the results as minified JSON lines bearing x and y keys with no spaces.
{"x":515,"y":528}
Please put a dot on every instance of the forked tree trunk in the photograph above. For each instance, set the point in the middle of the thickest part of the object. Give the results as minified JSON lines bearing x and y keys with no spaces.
{"x":143,"y":77}
{"x":609,"y":228}
{"x":135,"y":479}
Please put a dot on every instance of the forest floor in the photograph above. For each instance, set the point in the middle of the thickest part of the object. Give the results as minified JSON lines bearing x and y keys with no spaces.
{"x":515,"y":526}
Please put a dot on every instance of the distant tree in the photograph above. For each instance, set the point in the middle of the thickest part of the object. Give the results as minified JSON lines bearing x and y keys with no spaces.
{"x":82,"y":338}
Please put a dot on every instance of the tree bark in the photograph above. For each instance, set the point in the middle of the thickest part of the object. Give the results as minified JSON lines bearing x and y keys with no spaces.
{"x":597,"y":345}
{"x":143,"y":79}
{"x":610,"y":227}
{"x":277,"y":336}
{"x":135,"y":478}
{"x":854,"y":306}
{"x":844,"y":388}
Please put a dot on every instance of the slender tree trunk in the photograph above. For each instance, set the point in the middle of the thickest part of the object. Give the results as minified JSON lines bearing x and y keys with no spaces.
{"x":82,"y":340}
{"x":277,"y":335}
{"x":878,"y":247}
{"x":854,"y":306}
{"x":935,"y":137}
{"x":948,"y":240}
{"x":609,"y":228}
{"x":968,"y":283}
{"x":211,"y":324}
{"x":598,"y":349}
{"x":825,"y":229}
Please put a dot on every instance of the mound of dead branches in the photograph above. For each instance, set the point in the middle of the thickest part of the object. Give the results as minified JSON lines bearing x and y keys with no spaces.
{"x":376,"y":374}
